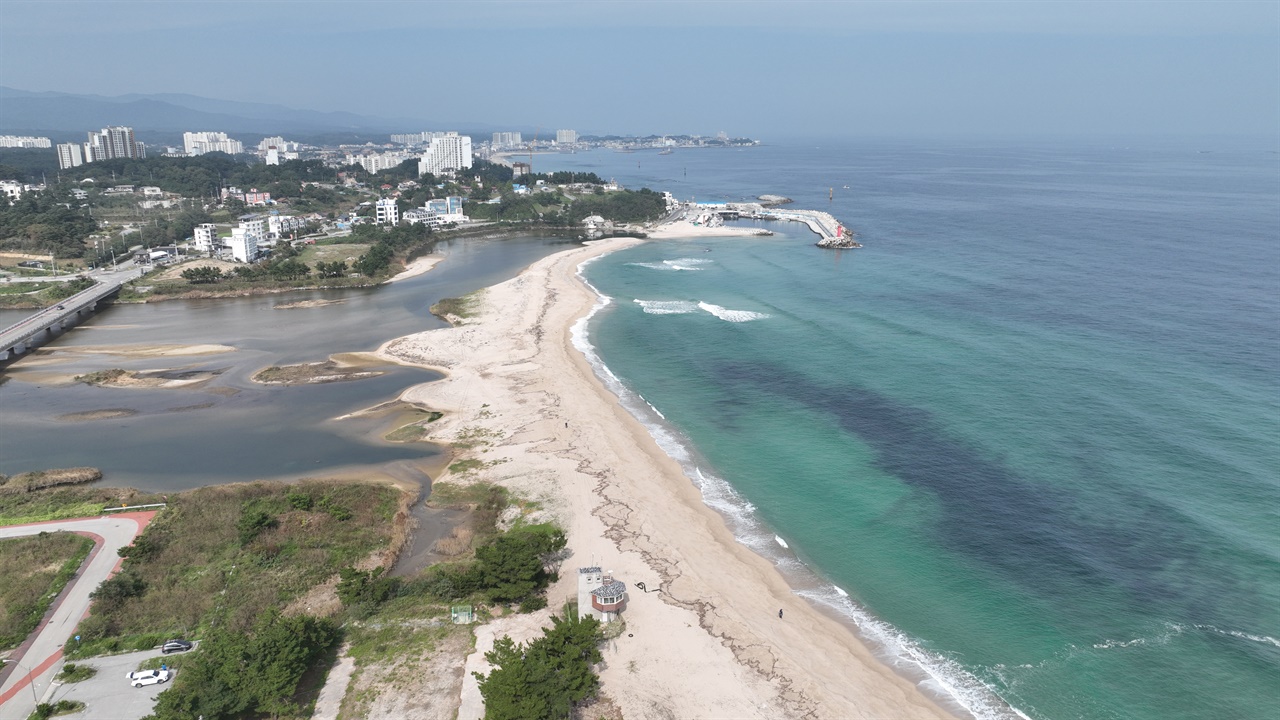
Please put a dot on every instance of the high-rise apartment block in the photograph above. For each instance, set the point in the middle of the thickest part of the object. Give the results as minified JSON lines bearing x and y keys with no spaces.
{"x":449,"y":152}
{"x":199,"y":143}
{"x":420,"y":138}
{"x":70,"y":155}
{"x":112,"y":143}
{"x":506,"y":139}
{"x":566,"y":137}
{"x":375,"y":163}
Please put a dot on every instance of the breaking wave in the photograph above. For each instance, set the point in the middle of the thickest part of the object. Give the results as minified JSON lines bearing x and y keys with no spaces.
{"x":667,"y":307}
{"x":737,"y":316}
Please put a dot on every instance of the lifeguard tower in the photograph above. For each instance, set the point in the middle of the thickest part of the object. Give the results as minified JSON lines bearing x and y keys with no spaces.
{"x":600,"y":595}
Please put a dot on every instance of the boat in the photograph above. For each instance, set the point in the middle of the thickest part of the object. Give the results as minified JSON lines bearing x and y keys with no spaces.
{"x":668,"y":151}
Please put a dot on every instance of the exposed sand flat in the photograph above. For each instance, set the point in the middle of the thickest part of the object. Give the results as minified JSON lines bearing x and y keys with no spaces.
{"x":709,"y":643}
{"x":417,"y":267}
{"x":686,"y":229}
{"x":148,"y":350}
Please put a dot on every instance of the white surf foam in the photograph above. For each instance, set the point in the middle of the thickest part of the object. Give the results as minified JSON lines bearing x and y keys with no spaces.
{"x":728,"y":315}
{"x":943,"y":677}
{"x":685,"y":264}
{"x":667,"y":307}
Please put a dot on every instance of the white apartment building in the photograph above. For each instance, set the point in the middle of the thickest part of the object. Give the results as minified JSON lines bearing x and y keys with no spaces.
{"x":450,"y":152}
{"x":273,"y":156}
{"x":255,"y":224}
{"x":421,"y":138}
{"x":566,"y":137}
{"x":206,"y":237}
{"x":506,"y":139}
{"x":386,"y":212}
{"x":243,"y":244}
{"x":70,"y":155}
{"x":199,"y":143}
{"x":114,"y":141}
{"x":375,"y":163}
{"x":24,"y":141}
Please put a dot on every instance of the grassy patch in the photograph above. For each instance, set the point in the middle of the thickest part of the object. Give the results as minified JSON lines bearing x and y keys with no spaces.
{"x":413,"y":432}
{"x":102,"y":377}
{"x":35,"y":569}
{"x":20,"y":288}
{"x":66,"y":502}
{"x":464,"y":466}
{"x":41,"y":479}
{"x":72,"y":673}
{"x":344,"y":252}
{"x":172,"y":662}
{"x":62,"y":707}
{"x":463,"y":307}
{"x":195,"y":566}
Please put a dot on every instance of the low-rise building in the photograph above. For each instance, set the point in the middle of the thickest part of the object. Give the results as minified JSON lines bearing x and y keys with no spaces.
{"x":600,"y":595}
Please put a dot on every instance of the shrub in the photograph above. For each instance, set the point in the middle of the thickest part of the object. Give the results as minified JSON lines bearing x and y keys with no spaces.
{"x":252,"y":522}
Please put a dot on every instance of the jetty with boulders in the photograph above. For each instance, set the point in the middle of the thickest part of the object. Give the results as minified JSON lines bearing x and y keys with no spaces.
{"x":831,"y":233}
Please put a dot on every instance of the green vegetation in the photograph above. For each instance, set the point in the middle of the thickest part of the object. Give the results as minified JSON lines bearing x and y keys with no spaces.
{"x":62,"y":707}
{"x":465,"y":466}
{"x":463,"y":307}
{"x":547,"y":677}
{"x":387,"y":244}
{"x":35,"y":569}
{"x":22,"y":288}
{"x":217,"y":556}
{"x":72,"y":673}
{"x":20,"y":508}
{"x":202,"y":274}
{"x":625,"y":206}
{"x":41,"y":479}
{"x":24,"y":295}
{"x":42,"y":223}
{"x":235,"y":673}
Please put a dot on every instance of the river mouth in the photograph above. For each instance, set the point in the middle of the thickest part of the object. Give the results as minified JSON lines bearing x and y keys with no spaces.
{"x":228,"y":428}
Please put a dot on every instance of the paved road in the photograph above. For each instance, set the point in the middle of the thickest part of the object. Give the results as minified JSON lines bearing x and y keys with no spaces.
{"x":108,"y":695}
{"x":37,"y":659}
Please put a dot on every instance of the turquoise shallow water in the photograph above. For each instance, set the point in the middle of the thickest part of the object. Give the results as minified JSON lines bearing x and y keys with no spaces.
{"x":1032,"y":429}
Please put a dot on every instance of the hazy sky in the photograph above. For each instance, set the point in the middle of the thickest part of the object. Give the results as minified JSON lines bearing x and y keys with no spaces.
{"x":750,"y":68}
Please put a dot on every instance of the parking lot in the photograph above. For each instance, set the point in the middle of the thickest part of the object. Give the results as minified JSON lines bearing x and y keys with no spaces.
{"x":108,"y":695}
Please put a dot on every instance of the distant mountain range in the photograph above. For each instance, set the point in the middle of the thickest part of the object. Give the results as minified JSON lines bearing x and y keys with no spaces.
{"x":58,"y":114}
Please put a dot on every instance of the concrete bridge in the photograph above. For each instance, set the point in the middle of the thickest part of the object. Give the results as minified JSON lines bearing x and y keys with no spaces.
{"x":45,"y":324}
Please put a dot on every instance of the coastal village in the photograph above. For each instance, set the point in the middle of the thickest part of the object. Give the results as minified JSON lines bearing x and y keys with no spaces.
{"x":540,"y":564}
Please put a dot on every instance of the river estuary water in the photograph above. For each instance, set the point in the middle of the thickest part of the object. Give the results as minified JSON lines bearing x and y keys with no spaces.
{"x":231,"y":428}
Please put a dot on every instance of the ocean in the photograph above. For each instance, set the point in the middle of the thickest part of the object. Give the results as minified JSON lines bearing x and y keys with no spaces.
{"x":1027,"y":439}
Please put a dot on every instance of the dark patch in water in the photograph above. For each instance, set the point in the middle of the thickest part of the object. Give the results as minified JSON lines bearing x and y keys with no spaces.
{"x":1032,"y":534}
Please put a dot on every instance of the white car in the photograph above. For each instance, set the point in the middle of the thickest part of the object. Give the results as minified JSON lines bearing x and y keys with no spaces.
{"x":148,"y":677}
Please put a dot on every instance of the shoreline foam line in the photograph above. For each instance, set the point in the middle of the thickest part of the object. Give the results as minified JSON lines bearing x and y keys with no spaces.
{"x":944,"y":679}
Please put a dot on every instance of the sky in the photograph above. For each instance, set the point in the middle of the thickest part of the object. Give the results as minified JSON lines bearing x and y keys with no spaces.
{"x":830,"y":68}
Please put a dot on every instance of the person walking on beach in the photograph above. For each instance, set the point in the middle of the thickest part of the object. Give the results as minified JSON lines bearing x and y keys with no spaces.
{"x":779,"y":613}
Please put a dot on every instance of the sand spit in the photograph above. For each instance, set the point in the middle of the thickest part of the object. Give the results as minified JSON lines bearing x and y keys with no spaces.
{"x":706,"y":641}
{"x":307,"y":304}
{"x":417,"y":267}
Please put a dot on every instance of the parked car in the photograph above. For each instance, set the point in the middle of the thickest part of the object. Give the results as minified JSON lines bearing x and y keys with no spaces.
{"x":173,"y":646}
{"x":148,"y":677}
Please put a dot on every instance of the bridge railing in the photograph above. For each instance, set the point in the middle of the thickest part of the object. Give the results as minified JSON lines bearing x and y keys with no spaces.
{"x":97,"y":288}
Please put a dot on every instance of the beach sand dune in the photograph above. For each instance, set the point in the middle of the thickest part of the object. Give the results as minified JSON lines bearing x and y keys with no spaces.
{"x":707,"y":640}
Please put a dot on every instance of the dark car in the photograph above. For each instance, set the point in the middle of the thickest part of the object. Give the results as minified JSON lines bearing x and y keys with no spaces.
{"x":173,"y":646}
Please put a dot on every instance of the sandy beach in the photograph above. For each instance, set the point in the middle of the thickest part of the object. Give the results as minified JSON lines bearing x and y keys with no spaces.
{"x":706,"y":641}
{"x":417,"y":267}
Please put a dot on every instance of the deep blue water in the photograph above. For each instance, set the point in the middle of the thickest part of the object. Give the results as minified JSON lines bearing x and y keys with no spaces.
{"x":1032,"y":429}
